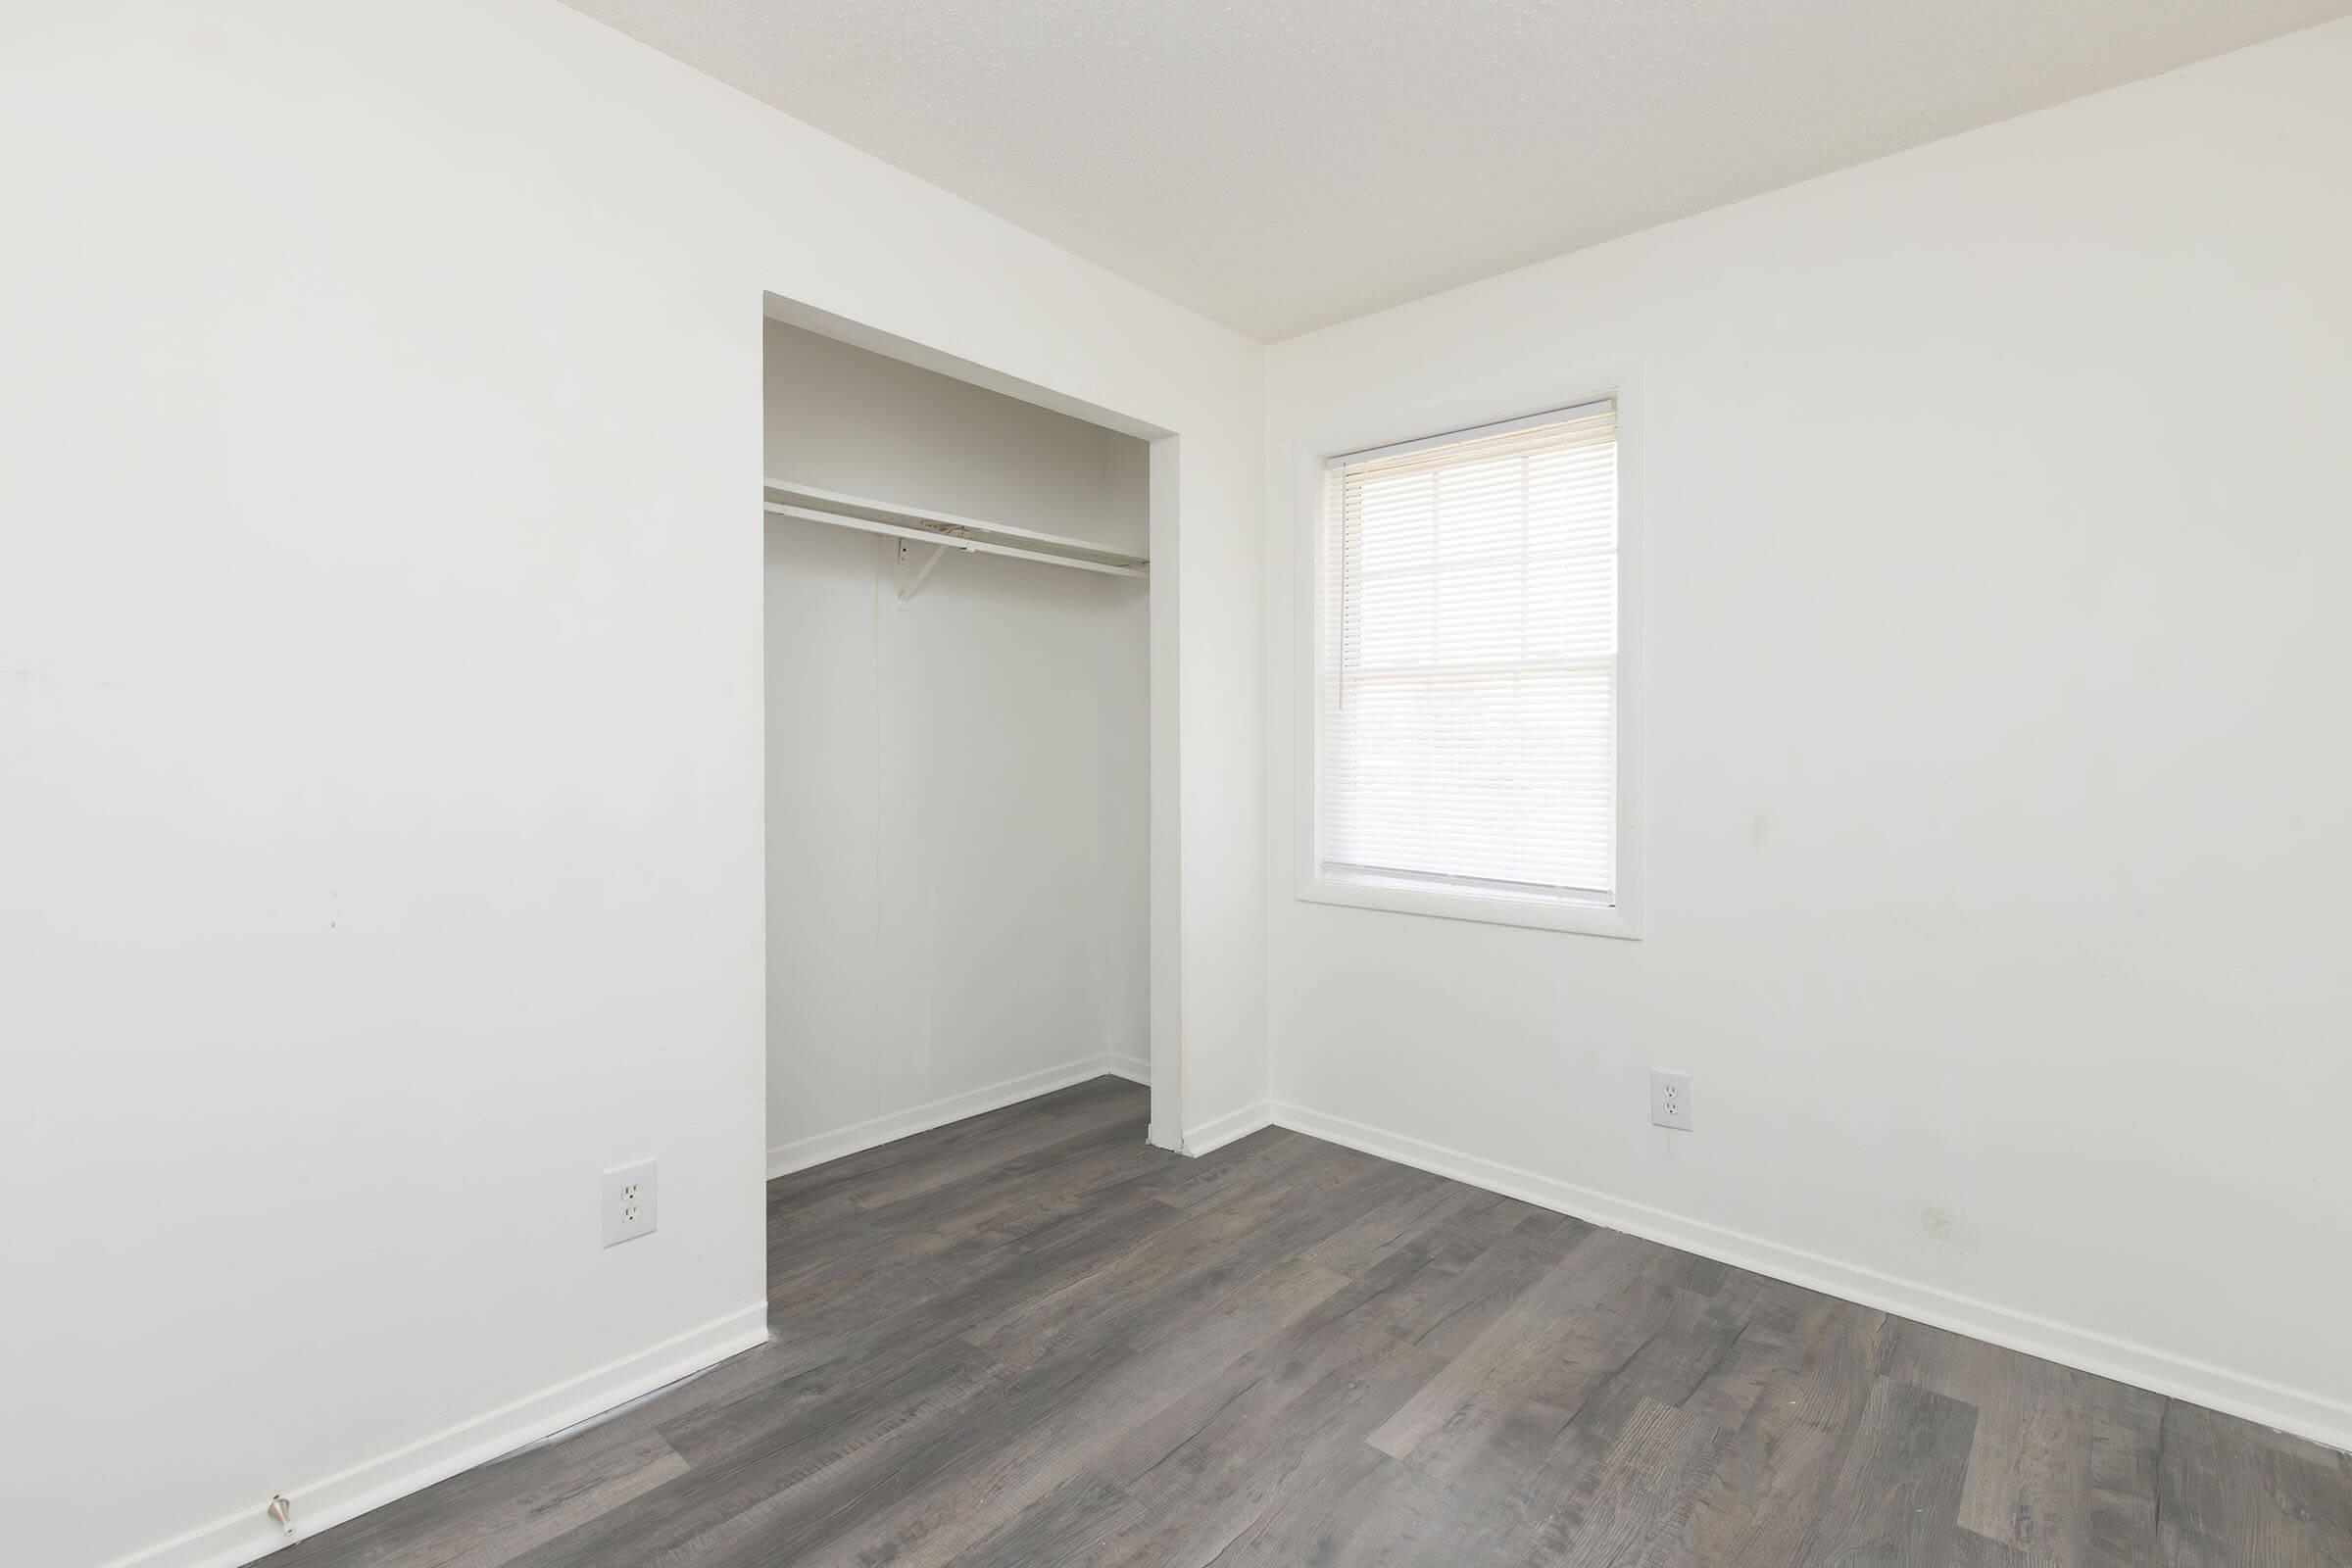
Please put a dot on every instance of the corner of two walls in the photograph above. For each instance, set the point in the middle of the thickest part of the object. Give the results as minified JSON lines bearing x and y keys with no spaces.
{"x":1897,"y":1022}
{"x":420,"y":790}
{"x":1990,"y":491}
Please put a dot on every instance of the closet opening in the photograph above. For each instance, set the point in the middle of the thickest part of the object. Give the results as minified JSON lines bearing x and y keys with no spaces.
{"x":964,"y":770}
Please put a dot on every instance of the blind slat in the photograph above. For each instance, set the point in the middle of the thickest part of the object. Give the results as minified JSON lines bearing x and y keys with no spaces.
{"x":1469,"y":666}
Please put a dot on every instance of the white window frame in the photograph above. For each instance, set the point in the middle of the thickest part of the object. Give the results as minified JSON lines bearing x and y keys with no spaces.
{"x":1622,"y":918}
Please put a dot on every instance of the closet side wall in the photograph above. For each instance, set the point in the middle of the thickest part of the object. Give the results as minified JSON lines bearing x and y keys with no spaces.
{"x":958,"y":785}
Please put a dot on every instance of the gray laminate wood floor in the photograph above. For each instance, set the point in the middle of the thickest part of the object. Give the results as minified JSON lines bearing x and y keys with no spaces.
{"x":1028,"y":1339}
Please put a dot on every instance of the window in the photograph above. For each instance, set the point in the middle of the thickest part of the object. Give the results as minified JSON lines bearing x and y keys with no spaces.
{"x":1469,"y":669}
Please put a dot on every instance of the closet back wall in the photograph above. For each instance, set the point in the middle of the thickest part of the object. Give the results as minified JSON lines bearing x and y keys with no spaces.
{"x":957,"y":786}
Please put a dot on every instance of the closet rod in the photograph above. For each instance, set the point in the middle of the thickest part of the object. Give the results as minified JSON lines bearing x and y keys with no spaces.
{"x":934,"y":536}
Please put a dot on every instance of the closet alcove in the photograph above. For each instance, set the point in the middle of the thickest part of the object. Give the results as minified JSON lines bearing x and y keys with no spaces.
{"x":957,"y":732}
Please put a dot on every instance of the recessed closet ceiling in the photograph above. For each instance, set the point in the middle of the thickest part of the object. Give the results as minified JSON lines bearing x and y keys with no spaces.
{"x":1280,"y":166}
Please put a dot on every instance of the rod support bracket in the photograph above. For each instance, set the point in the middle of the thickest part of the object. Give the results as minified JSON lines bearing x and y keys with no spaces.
{"x":907,"y":550}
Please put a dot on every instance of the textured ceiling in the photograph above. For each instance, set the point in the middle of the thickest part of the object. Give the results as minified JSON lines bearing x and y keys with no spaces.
{"x":1280,"y":165}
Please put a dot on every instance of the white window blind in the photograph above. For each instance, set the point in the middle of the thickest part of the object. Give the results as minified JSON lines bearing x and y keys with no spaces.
{"x":1470,"y":661}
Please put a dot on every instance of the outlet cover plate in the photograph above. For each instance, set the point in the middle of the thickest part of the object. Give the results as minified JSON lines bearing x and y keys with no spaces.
{"x":1670,"y":1102}
{"x":632,"y":1201}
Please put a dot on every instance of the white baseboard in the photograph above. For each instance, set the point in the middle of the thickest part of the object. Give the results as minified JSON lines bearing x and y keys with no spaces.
{"x":1219,"y":1131}
{"x":2322,"y":1420}
{"x":801,"y":1153}
{"x":323,"y":1503}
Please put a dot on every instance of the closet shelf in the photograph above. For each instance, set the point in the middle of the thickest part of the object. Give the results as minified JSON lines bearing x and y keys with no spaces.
{"x":789,"y":498}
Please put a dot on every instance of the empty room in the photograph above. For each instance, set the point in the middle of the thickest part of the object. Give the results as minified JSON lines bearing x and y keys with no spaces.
{"x":1147,"y":785}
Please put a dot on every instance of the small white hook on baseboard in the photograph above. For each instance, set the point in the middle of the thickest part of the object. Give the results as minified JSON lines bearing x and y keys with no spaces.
{"x":282,"y":1509}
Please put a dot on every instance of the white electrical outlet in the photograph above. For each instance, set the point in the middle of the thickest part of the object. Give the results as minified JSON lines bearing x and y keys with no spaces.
{"x":1670,"y":1100}
{"x":631,"y":1206}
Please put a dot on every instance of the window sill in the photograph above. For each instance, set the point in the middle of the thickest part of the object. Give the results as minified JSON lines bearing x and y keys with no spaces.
{"x":1584,"y":919}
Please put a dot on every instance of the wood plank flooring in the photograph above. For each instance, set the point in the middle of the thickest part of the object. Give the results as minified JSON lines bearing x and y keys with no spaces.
{"x":1028,"y":1339}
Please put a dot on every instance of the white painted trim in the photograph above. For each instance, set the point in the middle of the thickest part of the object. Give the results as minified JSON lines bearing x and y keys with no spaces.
{"x":323,"y":1503}
{"x":1217,"y":1131}
{"x":1542,"y":915}
{"x":1477,"y":433}
{"x":1164,"y":546}
{"x":1399,"y":422}
{"x":2257,"y":1399}
{"x":801,"y":1153}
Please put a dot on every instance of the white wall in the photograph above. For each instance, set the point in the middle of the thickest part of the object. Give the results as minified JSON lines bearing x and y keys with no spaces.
{"x":957,"y":786}
{"x":380,"y":721}
{"x":380,"y":675}
{"x":1996,"y":505}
